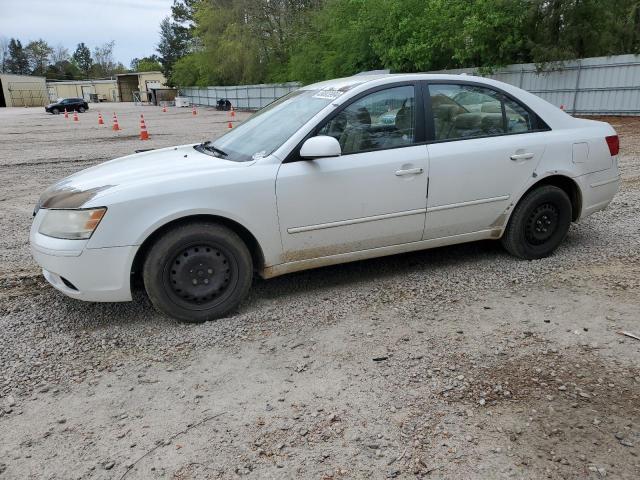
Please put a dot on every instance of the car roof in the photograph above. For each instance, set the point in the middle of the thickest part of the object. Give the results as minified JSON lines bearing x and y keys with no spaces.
{"x":346,"y":83}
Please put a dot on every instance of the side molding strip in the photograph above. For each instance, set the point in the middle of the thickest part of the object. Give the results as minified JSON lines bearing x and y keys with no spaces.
{"x":467,"y":204}
{"x":604,"y":182}
{"x":354,"y":221}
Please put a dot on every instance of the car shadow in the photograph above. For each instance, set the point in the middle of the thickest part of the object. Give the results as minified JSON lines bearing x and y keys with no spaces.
{"x":372,"y":270}
{"x":95,"y":316}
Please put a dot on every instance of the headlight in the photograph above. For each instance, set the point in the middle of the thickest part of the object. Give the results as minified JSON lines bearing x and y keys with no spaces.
{"x":71,"y":224}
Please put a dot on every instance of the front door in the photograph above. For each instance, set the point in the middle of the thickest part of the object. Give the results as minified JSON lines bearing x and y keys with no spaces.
{"x":485,"y":151}
{"x":373,"y":195}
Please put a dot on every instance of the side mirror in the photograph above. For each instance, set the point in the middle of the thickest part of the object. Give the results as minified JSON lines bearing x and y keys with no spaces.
{"x":320,"y":147}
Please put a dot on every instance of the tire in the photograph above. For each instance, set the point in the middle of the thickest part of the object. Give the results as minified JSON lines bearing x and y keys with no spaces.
{"x":55,"y":111}
{"x":539,"y":223}
{"x":198,"y":271}
{"x":81,"y":109}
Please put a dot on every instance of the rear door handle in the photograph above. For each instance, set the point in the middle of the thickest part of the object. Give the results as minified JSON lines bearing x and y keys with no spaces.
{"x":521,"y":156}
{"x":409,"y":171}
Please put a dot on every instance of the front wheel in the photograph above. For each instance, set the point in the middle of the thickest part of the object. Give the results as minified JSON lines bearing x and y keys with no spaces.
{"x":539,"y":223}
{"x":197,"y":272}
{"x":55,"y":111}
{"x":81,"y":109}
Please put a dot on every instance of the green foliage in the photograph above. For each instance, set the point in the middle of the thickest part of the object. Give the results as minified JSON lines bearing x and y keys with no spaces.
{"x":146,"y":64}
{"x":247,"y":41}
{"x":63,"y":70}
{"x":18,"y":60}
{"x":38,"y":52}
{"x":81,"y":58}
{"x":174,"y":43}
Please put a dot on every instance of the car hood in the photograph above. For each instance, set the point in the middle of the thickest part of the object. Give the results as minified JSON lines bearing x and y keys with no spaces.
{"x":141,"y":168}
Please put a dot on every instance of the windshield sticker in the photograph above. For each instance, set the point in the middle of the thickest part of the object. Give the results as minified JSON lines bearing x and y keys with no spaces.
{"x":259,"y":155}
{"x":328,"y":94}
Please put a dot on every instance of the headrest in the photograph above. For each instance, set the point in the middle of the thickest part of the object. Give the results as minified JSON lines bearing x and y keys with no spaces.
{"x":492,"y":122}
{"x":491,"y":107}
{"x":446,"y":112}
{"x":404,"y":118}
{"x":468,"y":120}
{"x":360,"y":117}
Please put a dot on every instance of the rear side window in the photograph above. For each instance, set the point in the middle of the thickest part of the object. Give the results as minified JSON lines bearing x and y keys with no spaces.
{"x":518,"y":118}
{"x":468,"y":111}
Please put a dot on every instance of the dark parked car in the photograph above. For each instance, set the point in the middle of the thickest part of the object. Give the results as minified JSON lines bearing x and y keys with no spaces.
{"x":70,"y":104}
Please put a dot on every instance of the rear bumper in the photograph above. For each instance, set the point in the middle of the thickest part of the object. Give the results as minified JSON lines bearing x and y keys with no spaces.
{"x":96,"y":275}
{"x":598,"y":189}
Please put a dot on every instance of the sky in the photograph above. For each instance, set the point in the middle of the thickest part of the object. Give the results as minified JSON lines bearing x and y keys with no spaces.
{"x":132,"y":24}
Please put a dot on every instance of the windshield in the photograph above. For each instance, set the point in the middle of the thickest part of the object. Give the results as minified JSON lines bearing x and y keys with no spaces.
{"x":270,"y":127}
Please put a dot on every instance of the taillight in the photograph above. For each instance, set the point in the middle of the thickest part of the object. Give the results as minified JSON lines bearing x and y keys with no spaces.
{"x":614,"y":144}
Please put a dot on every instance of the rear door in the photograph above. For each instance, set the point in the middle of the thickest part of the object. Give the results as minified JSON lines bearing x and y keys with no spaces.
{"x":485,"y":148}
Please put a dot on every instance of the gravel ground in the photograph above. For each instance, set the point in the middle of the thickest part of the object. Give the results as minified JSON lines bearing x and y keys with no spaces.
{"x":459,"y":362}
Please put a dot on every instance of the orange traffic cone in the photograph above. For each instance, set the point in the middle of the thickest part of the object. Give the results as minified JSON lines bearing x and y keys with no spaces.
{"x":193,"y":110}
{"x":562,"y":107}
{"x":164,"y":108}
{"x":233,"y":112}
{"x":230,"y":125}
{"x":75,"y":116}
{"x":115,"y":127}
{"x":100,"y":120}
{"x":66,"y":114}
{"x":144,"y":135}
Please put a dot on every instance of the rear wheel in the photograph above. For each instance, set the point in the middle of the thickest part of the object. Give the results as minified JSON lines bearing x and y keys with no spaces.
{"x":198,"y":272}
{"x":539,"y":223}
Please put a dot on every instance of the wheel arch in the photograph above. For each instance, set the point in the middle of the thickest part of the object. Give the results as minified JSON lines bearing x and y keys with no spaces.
{"x":565,"y":183}
{"x":247,"y":237}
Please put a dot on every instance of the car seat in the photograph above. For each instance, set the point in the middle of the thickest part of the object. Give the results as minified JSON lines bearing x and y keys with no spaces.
{"x":356,"y":136}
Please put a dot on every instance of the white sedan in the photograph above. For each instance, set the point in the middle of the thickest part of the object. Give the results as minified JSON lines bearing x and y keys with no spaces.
{"x":334,"y":172}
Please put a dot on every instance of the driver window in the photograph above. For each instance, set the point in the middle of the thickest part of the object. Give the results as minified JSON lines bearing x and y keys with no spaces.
{"x":384,"y":119}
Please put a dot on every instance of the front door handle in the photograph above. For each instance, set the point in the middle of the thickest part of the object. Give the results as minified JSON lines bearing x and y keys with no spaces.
{"x":521,"y":156}
{"x":409,"y":171}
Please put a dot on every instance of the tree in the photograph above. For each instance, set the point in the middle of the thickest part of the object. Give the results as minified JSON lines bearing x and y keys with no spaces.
{"x":18,"y":61}
{"x":63,"y":70}
{"x":146,"y":64}
{"x":38,"y":53}
{"x":119,"y":68}
{"x":174,"y":44}
{"x":246,"y":41}
{"x":183,"y":12}
{"x":59,"y":54}
{"x":81,"y":58}
{"x":4,"y":53}
{"x":103,"y":62}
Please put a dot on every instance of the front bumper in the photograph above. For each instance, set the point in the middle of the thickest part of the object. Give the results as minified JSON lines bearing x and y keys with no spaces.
{"x":96,"y":275}
{"x":91,"y":274}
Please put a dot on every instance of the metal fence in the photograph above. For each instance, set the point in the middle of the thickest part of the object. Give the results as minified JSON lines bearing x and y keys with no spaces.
{"x":589,"y":86}
{"x":249,"y":97}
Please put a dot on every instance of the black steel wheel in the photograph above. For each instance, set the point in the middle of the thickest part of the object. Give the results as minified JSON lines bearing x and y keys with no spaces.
{"x":55,"y":111}
{"x":539,"y":223}
{"x":81,"y":109}
{"x":198,"y":271}
{"x":200,"y":276}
